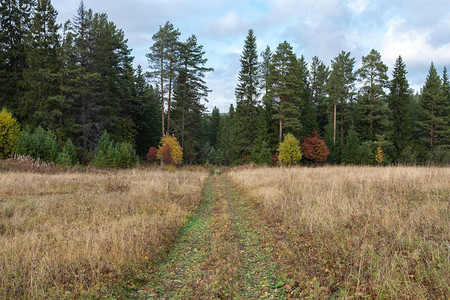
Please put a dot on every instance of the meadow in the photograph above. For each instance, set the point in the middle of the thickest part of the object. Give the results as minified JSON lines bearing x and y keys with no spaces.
{"x":246,"y":232}
{"x":377,"y":232}
{"x":71,"y":234}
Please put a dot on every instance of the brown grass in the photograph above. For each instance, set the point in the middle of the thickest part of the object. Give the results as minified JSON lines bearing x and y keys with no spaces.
{"x":75,"y":232}
{"x":359,"y":231}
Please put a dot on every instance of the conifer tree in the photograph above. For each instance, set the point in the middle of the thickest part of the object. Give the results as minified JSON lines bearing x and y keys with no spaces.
{"x":163,"y":60}
{"x":319,"y":73}
{"x":340,"y":88}
{"x":247,"y":99}
{"x":189,"y":94}
{"x":15,"y":21}
{"x":227,"y":136}
{"x":446,"y":103}
{"x":372,"y":100}
{"x":432,"y":110}
{"x":286,"y":90}
{"x":40,"y":101}
{"x":308,"y":113}
{"x":399,"y":103}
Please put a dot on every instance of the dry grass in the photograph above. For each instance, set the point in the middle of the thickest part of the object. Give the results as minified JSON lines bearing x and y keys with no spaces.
{"x":360,"y":231}
{"x":75,"y":232}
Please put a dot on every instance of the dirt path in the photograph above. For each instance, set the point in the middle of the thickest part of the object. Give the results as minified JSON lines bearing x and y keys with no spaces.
{"x":226,"y":251}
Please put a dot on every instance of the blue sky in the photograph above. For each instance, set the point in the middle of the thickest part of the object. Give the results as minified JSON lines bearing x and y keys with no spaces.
{"x":418,"y":30}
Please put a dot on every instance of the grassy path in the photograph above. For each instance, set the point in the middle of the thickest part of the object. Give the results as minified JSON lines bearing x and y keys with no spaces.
{"x":226,"y":251}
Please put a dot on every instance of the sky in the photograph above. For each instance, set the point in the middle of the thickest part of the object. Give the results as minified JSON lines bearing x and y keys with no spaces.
{"x":418,"y":30}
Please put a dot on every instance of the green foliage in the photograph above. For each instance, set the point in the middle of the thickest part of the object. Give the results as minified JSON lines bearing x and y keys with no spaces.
{"x":289,"y":150}
{"x":111,"y":154}
{"x":262,"y":154}
{"x":68,"y":156}
{"x":399,"y":103}
{"x":39,"y":144}
{"x":9,"y":133}
{"x":350,"y":154}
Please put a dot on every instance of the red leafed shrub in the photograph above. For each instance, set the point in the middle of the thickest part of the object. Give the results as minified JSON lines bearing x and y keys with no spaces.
{"x":151,"y":155}
{"x":314,"y":148}
{"x":166,"y":155}
{"x":275,"y":159}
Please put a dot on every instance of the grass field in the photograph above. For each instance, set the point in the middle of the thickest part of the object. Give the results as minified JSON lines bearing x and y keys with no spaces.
{"x":74,"y":233}
{"x":359,"y":231}
{"x":245,"y":233}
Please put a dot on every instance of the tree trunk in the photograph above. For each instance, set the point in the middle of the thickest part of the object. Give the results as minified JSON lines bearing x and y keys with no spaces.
{"x":432,"y":126}
{"x":334,"y":124}
{"x":342,"y":123}
{"x":162,"y":97}
{"x":168,"y":105}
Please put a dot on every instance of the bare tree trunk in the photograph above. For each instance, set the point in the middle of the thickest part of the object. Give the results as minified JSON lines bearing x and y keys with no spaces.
{"x":334,"y":124}
{"x":168,"y":105}
{"x":342,"y":123}
{"x":162,"y":97}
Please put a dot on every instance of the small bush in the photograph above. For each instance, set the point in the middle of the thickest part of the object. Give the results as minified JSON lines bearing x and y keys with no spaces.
{"x":151,"y":155}
{"x":169,"y":145}
{"x":110,"y":154}
{"x":289,"y":150}
{"x":39,"y":144}
{"x":9,"y":133}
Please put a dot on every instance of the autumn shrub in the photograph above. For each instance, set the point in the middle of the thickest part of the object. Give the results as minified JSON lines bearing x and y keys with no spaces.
{"x":170,"y":147}
{"x":151,"y":155}
{"x":314,"y":148}
{"x":289,"y":150}
{"x":9,"y":133}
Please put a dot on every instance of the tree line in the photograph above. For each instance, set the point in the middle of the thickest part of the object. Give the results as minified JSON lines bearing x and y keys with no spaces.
{"x":77,"y":81}
{"x":361,"y":114}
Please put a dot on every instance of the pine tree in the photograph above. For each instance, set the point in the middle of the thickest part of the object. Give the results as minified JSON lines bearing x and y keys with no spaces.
{"x":373,"y":77}
{"x":267,"y":125}
{"x":432,"y":110}
{"x":319,"y":73}
{"x":286,"y":89}
{"x":189,"y":94}
{"x":399,"y":103}
{"x":163,"y":60}
{"x":340,"y":88}
{"x":247,"y":98}
{"x":308,"y":113}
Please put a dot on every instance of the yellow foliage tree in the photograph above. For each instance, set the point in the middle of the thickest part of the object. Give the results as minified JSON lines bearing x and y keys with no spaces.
{"x":9,"y":133}
{"x":176,"y":152}
{"x":289,"y":151}
{"x":379,"y":157}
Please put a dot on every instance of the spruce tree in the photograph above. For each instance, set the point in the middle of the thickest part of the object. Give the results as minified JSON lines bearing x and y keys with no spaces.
{"x":15,"y":22}
{"x":226,"y":139}
{"x":372,"y":98}
{"x":432,"y":111}
{"x":247,"y":99}
{"x":41,"y":77}
{"x":446,"y":102}
{"x":286,"y":88}
{"x":399,"y":103}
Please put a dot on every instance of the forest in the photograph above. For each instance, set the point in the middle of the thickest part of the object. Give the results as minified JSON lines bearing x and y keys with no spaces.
{"x":74,"y":83}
